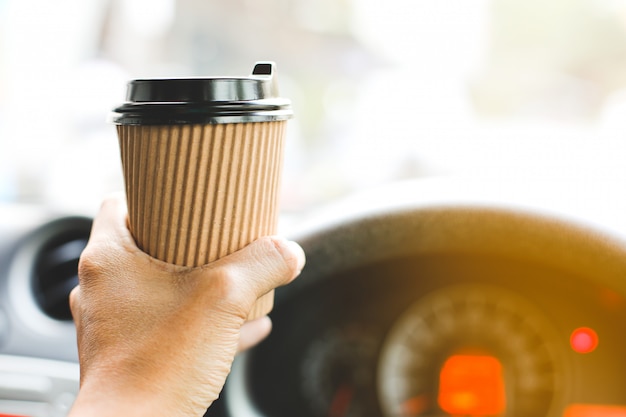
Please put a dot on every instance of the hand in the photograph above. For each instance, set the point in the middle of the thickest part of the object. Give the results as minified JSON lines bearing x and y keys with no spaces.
{"x":159,"y":339}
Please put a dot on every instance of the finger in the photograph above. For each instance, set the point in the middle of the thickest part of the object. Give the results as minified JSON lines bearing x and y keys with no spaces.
{"x":263,"y":265}
{"x":111,"y":221}
{"x":252,"y":332}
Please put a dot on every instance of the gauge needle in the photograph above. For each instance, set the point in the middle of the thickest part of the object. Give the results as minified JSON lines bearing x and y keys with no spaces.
{"x":341,"y":401}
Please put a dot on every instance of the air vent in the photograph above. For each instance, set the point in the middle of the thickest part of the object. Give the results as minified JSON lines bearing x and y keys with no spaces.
{"x":55,"y":269}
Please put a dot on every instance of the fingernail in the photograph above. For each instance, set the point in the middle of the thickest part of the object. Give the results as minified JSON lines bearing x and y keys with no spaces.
{"x":293,"y":248}
{"x":299,"y":252}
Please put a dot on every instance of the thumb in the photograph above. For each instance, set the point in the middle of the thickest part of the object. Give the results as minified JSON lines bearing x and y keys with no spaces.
{"x":253,"y":271}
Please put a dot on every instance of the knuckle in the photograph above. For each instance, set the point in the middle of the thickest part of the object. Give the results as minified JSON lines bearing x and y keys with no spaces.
{"x":228,"y":291}
{"x":224,"y":284}
{"x":89,"y":265}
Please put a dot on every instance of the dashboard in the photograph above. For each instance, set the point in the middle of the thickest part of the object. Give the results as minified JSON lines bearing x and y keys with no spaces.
{"x":411,"y":318}
{"x":425,"y":299}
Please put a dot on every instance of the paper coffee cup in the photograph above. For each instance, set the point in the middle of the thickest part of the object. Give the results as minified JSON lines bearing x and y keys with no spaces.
{"x":202,"y":161}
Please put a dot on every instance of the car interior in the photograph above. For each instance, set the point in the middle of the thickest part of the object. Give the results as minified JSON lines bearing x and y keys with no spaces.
{"x":454,"y":173}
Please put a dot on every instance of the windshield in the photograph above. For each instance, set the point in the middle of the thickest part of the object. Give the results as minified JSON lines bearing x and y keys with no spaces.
{"x":382,"y":91}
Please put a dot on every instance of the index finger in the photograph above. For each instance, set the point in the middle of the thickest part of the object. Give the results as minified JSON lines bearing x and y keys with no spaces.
{"x":111,"y":222}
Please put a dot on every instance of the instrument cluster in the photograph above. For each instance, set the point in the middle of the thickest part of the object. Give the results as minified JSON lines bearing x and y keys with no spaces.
{"x":444,"y":335}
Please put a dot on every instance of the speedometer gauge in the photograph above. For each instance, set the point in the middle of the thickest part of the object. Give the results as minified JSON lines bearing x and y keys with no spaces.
{"x":471,"y":350}
{"x":338,"y":373}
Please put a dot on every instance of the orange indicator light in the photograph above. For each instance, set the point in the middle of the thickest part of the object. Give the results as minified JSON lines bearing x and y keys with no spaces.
{"x":587,"y":410}
{"x":584,"y":340}
{"x":472,"y":385}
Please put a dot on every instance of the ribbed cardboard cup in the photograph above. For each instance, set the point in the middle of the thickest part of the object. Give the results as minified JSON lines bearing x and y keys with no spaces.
{"x":199,"y":191}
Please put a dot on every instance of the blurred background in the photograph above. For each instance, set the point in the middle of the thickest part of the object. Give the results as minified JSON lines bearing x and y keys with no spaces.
{"x":531,"y":90}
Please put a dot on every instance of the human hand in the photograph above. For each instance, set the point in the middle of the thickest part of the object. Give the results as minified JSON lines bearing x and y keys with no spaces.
{"x":159,"y":339}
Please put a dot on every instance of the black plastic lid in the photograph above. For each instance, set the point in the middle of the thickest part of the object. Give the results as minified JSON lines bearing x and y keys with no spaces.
{"x":204,"y":100}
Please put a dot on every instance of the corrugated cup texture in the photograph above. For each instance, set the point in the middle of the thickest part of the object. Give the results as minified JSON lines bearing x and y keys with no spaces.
{"x":199,"y":192}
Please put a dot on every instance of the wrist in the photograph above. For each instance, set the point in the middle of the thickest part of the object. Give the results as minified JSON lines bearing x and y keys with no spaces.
{"x":97,"y":399}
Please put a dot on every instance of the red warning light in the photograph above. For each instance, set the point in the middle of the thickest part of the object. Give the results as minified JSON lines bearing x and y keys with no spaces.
{"x":584,"y":340}
{"x":472,"y":385}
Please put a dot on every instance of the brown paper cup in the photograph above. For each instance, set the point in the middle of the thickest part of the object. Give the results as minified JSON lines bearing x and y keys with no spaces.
{"x":198,"y":192}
